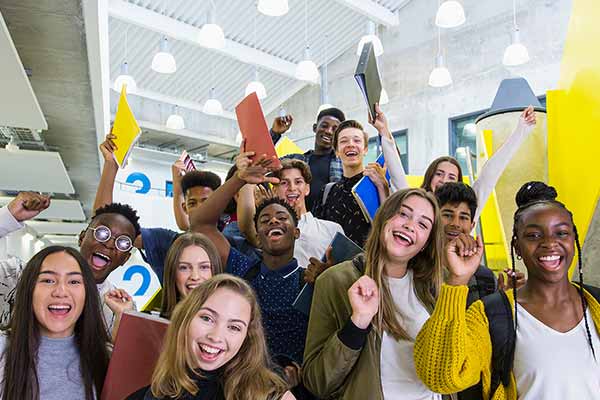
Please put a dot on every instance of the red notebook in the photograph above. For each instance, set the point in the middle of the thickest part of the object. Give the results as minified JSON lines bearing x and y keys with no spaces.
{"x":137,"y":347}
{"x":253,"y":126}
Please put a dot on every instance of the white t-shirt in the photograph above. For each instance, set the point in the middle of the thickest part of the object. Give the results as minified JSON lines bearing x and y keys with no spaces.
{"x":398,"y":375}
{"x":315,"y":235}
{"x":552,"y":365}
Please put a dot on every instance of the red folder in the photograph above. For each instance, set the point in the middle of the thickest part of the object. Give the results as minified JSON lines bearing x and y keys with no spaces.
{"x":253,"y":126}
{"x":137,"y":347}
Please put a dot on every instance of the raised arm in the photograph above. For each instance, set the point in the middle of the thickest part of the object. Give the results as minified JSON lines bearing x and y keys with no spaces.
{"x":390,"y":151}
{"x":204,"y":219}
{"x":181,"y":217}
{"x":246,"y":208}
{"x":25,"y":206}
{"x":104,"y":193}
{"x":454,"y":345}
{"x":495,"y":165}
{"x":280,"y":126}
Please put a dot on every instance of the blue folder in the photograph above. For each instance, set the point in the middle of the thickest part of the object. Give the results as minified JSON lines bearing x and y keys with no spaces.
{"x":366,"y":195}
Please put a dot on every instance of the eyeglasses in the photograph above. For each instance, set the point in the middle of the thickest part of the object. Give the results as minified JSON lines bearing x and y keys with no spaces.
{"x":102,"y":234}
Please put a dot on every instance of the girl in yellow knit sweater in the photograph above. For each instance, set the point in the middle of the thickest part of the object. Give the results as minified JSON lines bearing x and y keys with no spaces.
{"x":556,"y":353}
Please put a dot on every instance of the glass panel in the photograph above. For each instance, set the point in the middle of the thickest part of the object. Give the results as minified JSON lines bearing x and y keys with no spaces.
{"x":401,"y":138}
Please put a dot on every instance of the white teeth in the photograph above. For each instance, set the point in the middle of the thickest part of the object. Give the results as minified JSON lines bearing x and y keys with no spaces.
{"x":107,"y":258}
{"x":275,"y":231}
{"x":550,"y":258}
{"x":59,"y":307}
{"x":209,"y":350}
{"x":403,"y":236}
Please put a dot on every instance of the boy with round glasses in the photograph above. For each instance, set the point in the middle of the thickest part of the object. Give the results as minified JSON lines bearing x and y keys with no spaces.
{"x":106,"y":245}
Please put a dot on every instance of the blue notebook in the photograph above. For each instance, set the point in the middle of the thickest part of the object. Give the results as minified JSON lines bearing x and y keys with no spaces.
{"x":366,"y":195}
{"x":342,"y":249}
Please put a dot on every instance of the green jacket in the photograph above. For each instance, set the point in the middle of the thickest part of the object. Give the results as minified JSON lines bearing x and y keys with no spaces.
{"x":341,"y":361}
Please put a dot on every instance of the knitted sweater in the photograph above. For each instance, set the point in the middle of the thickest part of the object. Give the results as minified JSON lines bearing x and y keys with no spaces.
{"x":453,"y":351}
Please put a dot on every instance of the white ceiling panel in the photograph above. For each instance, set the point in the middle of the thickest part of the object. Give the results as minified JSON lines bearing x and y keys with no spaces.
{"x":23,"y":109}
{"x":40,"y":171}
{"x":56,"y":228}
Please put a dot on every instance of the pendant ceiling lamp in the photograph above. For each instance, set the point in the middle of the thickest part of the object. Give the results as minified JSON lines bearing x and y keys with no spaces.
{"x":273,"y":8}
{"x":212,"y":105}
{"x":306,"y":70}
{"x":256,"y":85}
{"x":124,"y":79}
{"x":516,"y":53}
{"x":175,"y":121}
{"x":163,"y":61}
{"x":440,"y":76}
{"x":211,"y":34}
{"x":370,"y":37}
{"x":450,"y":14}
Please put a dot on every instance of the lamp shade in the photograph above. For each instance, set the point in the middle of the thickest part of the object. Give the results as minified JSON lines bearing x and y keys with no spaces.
{"x":258,"y":87}
{"x":370,"y":37}
{"x":516,"y":53}
{"x":212,"y":36}
{"x":175,"y":121}
{"x":212,"y":107}
{"x":163,"y":61}
{"x":324,"y":106}
{"x":125,"y":79}
{"x":273,"y":8}
{"x":307,"y":70}
{"x":450,"y":14}
{"x":440,"y":76}
{"x":513,"y":95}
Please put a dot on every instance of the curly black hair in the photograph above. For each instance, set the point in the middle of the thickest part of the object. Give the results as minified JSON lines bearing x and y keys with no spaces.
{"x":200,"y":178}
{"x":457,"y":192}
{"x":122,"y":209}
{"x":332,"y":112}
{"x":275,"y":200}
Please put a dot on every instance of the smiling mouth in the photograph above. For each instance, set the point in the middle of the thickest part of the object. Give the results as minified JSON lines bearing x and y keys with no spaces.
{"x":275,"y":233}
{"x":59,"y":309}
{"x":403,"y":238}
{"x":292,"y":198}
{"x":192,"y":286}
{"x":551,"y":263}
{"x":351,"y":153}
{"x":209,"y":353}
{"x":100,"y":261}
{"x":326,"y":139}
{"x":452,"y":234}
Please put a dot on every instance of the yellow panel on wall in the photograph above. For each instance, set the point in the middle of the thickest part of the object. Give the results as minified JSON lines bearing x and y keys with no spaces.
{"x":574,"y":117}
{"x":287,"y":146}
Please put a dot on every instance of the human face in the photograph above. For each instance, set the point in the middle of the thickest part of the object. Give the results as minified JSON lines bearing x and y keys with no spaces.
{"x":193,"y":268}
{"x":456,"y":218}
{"x":293,"y":188}
{"x":324,"y":129}
{"x":406,"y":234}
{"x":104,"y":258}
{"x":276,"y":230}
{"x":58,"y":295}
{"x":351,"y":147}
{"x":445,"y":172}
{"x":217,"y":332}
{"x":195,"y":196}
{"x":545,"y":240}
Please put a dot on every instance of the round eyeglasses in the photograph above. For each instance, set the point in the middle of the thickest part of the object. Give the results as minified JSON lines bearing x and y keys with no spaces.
{"x":103,"y":234}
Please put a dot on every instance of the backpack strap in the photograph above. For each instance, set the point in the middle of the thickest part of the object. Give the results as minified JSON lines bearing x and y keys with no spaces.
{"x":503,"y":337}
{"x":326,"y":191}
{"x":486,"y":281}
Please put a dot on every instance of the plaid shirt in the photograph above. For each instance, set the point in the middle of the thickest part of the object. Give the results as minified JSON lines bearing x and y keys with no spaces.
{"x":335,"y":166}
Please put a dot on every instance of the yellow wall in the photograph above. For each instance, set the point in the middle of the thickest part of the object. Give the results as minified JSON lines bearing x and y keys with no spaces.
{"x":574,"y":117}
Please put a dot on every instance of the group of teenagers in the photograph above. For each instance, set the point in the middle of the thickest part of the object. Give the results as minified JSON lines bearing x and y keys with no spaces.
{"x":415,"y":316}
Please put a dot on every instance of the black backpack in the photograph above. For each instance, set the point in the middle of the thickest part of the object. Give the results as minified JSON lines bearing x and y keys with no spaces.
{"x":501,"y":326}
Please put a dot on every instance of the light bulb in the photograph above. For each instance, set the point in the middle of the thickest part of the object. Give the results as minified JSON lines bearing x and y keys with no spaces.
{"x":125,"y":79}
{"x":516,"y":53}
{"x":273,"y":8}
{"x":450,"y":14}
{"x":163,"y":61}
{"x":440,"y":76}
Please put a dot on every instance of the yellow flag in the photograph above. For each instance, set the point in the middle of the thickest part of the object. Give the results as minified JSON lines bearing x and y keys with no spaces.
{"x":126,"y":130}
{"x":286,"y":146}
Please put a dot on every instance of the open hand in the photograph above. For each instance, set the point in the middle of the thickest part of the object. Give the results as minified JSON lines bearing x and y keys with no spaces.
{"x":28,"y":205}
{"x":178,"y":170}
{"x":316,"y":267}
{"x":108,"y":147}
{"x":364,"y":300}
{"x":380,"y":122}
{"x":463,"y":257}
{"x":377,"y":174}
{"x":254,"y":171}
{"x":528,"y":118}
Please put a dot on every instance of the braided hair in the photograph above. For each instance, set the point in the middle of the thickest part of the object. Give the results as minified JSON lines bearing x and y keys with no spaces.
{"x":531,"y":194}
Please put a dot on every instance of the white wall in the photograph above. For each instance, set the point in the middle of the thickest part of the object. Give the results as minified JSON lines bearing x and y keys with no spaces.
{"x":473,"y":55}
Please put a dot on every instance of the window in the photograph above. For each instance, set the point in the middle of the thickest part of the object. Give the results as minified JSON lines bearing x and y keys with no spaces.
{"x":401,"y":139}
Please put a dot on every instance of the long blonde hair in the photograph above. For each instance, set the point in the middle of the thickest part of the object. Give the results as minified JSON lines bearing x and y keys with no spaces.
{"x":246,"y":375}
{"x":170,"y":294}
{"x":426,"y":265}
